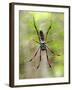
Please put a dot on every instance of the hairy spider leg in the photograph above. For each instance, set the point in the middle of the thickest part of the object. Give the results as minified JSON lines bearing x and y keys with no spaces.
{"x":34,"y":55}
{"x":39,"y":60}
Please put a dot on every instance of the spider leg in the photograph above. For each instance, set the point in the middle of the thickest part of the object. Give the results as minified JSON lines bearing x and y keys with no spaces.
{"x":36,"y":41}
{"x":39,"y":60}
{"x":34,"y":55}
{"x":52,"y":51}
{"x":48,"y":32}
{"x":48,"y":41}
{"x":36,"y":28}
{"x":48,"y":59}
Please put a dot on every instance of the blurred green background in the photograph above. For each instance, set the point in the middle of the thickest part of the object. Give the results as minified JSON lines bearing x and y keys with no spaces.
{"x":27,"y":47}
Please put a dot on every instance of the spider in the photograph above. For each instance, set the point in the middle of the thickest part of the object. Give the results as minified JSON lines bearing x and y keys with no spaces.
{"x":43,"y":44}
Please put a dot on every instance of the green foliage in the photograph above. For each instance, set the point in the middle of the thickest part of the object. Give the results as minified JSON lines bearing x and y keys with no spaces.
{"x":27,"y":32}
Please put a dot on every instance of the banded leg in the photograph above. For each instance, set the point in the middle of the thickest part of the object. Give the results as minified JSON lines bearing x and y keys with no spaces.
{"x":39,"y":60}
{"x":47,"y":58}
{"x":34,"y":55}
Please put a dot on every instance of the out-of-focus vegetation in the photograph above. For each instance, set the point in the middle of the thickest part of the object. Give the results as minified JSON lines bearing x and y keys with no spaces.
{"x":27,"y":47}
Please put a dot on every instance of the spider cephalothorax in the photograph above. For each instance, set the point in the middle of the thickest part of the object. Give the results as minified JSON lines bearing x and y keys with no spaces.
{"x":42,"y":41}
{"x":43,"y":44}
